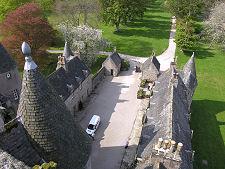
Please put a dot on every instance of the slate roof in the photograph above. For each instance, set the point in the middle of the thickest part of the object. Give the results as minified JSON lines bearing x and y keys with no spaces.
{"x":167,"y":118}
{"x":52,"y":130}
{"x":151,"y":60}
{"x":15,"y":148}
{"x":66,"y":82}
{"x":6,"y":61}
{"x":115,"y":58}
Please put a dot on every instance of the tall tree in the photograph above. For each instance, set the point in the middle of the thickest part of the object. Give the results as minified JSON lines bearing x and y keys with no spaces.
{"x":214,"y":26}
{"x":79,"y":12}
{"x":121,"y":11}
{"x":185,"y":9}
{"x":6,"y":6}
{"x":26,"y":24}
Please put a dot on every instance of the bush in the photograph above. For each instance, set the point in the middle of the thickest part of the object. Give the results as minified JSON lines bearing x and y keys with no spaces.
{"x":125,"y":65}
{"x":143,"y":83}
{"x":185,"y":35}
{"x":140,"y":94}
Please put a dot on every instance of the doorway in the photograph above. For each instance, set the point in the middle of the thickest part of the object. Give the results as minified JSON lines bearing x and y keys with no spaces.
{"x":112,"y":72}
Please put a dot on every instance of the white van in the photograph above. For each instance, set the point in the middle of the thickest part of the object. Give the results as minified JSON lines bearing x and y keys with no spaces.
{"x":93,"y":125}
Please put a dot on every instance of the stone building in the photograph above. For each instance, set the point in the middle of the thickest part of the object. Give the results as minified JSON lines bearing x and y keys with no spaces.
{"x":10,"y":81}
{"x":150,"y":69}
{"x":112,"y":64}
{"x":72,"y":80}
{"x":168,"y":118}
{"x":44,"y":129}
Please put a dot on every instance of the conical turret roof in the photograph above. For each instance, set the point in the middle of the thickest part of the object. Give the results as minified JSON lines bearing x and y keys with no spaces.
{"x":50,"y":126}
{"x":6,"y":61}
{"x":67,"y":51}
{"x":190,"y":66}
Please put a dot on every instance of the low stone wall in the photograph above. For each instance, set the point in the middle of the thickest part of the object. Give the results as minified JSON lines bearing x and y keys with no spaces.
{"x":96,"y":79}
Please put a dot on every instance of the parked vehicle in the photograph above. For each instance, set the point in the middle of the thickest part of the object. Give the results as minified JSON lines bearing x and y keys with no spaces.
{"x":93,"y":125}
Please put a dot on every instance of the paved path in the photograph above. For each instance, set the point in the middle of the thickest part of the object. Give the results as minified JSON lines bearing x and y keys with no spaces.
{"x":116,"y":103}
{"x":168,"y":55}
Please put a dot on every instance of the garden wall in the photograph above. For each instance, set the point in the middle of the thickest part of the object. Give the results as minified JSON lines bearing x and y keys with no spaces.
{"x":97,"y":78}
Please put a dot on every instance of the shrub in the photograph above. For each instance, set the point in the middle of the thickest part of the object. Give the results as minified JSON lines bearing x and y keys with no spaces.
{"x":143,"y":83}
{"x":185,"y":35}
{"x":140,"y":93}
{"x":125,"y":65}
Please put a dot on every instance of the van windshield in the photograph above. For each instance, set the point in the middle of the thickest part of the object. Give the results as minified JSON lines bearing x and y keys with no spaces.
{"x":91,"y":126}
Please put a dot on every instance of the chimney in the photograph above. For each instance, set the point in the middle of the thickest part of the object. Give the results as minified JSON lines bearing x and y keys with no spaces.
{"x":165,"y":155}
{"x":114,"y":49}
{"x":172,"y":146}
{"x":153,"y":52}
{"x":61,"y":62}
{"x":166,"y":142}
{"x":173,"y":65}
{"x":159,"y":143}
{"x":179,"y":147}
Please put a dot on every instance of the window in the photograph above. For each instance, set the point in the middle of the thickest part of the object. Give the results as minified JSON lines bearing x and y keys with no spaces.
{"x":15,"y":94}
{"x":8,"y":75}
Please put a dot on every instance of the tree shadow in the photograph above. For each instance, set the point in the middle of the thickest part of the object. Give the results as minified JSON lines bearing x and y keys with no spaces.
{"x":207,"y":140}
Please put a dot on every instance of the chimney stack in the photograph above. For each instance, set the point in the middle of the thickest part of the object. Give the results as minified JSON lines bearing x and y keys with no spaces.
{"x":173,"y":65}
{"x":61,"y":62}
{"x":166,"y":142}
{"x":179,"y":147}
{"x":159,"y":143}
{"x":172,"y":146}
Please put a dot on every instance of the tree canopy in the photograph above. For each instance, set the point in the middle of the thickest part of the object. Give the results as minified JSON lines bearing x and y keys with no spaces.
{"x":26,"y":24}
{"x":120,"y":11}
{"x":84,"y":39}
{"x":214,"y":26}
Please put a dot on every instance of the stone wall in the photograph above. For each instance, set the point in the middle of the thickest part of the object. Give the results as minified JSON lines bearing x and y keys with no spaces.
{"x":96,"y":79}
{"x":109,"y":64}
{"x":80,"y":94}
{"x":10,"y":81}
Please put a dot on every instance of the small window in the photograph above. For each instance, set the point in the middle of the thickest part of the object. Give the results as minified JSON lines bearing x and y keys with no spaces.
{"x":8,"y":75}
{"x":15,"y":94}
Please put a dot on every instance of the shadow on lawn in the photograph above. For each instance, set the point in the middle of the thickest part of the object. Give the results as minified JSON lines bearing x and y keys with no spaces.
{"x":200,"y":52}
{"x":207,"y":139}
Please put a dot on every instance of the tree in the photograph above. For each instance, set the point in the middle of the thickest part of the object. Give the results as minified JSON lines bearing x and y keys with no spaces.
{"x":78,"y":12}
{"x":84,"y":39}
{"x":26,"y":24}
{"x":121,"y":11}
{"x":6,"y":6}
{"x":214,"y":26}
{"x":185,"y":37}
{"x":185,"y":9}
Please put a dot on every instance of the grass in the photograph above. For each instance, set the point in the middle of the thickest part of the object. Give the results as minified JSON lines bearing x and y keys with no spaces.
{"x":140,"y":38}
{"x":208,"y":107}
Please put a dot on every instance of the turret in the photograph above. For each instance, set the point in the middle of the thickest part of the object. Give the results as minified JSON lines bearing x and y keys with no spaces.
{"x":51,"y":128}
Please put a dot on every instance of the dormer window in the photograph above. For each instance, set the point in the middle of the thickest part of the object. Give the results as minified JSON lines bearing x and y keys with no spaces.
{"x":15,"y":94}
{"x":8,"y":75}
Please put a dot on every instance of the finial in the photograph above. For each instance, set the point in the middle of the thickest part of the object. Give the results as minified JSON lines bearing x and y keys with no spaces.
{"x":26,"y":49}
{"x":29,"y":63}
{"x":114,"y":49}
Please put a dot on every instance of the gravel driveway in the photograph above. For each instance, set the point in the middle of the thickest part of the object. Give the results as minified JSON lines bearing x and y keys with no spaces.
{"x":115,"y":102}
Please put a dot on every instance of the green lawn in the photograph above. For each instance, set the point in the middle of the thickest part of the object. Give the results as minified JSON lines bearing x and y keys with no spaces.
{"x":140,"y":38}
{"x":208,"y":107}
